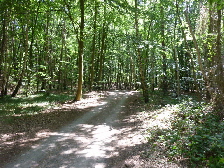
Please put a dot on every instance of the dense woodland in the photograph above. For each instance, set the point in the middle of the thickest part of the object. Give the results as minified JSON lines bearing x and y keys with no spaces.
{"x":174,"y":46}
{"x":167,"y":47}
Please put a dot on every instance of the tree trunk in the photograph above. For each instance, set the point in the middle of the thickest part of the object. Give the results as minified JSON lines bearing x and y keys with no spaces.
{"x":219,"y":74}
{"x":177,"y":72}
{"x":218,"y":55}
{"x":103,"y":48}
{"x":152,"y":73}
{"x":19,"y":84}
{"x":176,"y":57}
{"x":197,"y":49}
{"x":80,"y":53}
{"x":188,"y":53}
{"x":141,"y":60}
{"x":93,"y":49}
{"x":61,"y":64}
{"x":46,"y":55}
{"x":2,"y":56}
{"x":164,"y":58}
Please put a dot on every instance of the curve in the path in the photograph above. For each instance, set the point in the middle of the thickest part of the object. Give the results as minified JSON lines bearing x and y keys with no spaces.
{"x":88,"y":142}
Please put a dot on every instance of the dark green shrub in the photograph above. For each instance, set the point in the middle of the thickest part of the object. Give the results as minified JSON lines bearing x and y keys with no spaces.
{"x":196,"y":134}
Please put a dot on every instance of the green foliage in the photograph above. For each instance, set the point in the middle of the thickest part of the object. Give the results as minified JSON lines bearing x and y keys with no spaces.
{"x":165,"y":48}
{"x":196,"y":134}
{"x":32,"y":104}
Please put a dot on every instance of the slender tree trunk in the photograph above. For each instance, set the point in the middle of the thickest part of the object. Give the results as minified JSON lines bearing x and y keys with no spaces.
{"x":164,"y":58}
{"x":176,"y":57}
{"x":19,"y":84}
{"x":80,"y":53}
{"x":93,"y":49}
{"x":218,"y":55}
{"x":33,"y":30}
{"x":188,"y":53}
{"x":2,"y":56}
{"x":60,"y":72}
{"x":102,"y":49}
{"x":102,"y":53}
{"x":45,"y":55}
{"x":177,"y":72}
{"x":152,"y":73}
{"x":197,"y":48}
{"x":219,"y":74}
{"x":132,"y":73}
{"x":141,"y":60}
{"x":209,"y":53}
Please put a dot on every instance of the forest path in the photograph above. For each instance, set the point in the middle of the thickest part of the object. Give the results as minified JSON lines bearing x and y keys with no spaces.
{"x":107,"y":136}
{"x":95,"y":139}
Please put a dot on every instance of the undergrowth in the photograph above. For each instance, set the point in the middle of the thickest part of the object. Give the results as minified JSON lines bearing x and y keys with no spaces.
{"x":196,"y":135}
{"x":32,"y":104}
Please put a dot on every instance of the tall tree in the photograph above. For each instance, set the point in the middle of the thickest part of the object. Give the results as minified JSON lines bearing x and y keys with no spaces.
{"x":103,"y":46}
{"x":197,"y":47}
{"x":93,"y":52}
{"x":80,"y":52}
{"x":24,"y":59}
{"x":141,"y":59}
{"x":219,"y":76}
{"x":163,"y":51}
{"x":3,"y":52}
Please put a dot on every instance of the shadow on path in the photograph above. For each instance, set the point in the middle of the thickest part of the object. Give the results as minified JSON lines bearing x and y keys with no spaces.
{"x":100,"y":138}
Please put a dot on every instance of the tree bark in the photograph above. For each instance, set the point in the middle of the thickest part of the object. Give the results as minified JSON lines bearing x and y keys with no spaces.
{"x":188,"y":53}
{"x":141,"y":61}
{"x":218,"y":55}
{"x":164,"y":58}
{"x":93,"y":49}
{"x":196,"y":47}
{"x":80,"y":53}
{"x":102,"y":49}
{"x":2,"y":56}
{"x":219,"y":74}
{"x":19,"y":83}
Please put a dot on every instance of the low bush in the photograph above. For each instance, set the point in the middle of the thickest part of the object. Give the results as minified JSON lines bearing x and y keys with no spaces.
{"x":196,"y":135}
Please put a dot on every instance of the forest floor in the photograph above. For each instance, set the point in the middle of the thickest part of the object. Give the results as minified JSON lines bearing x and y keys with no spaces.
{"x":103,"y":130}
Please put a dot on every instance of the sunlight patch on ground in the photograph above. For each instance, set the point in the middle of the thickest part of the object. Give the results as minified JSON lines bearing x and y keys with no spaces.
{"x":88,"y":139}
{"x":100,"y":165}
{"x":7,"y":137}
{"x":161,"y":118}
{"x":91,"y":100}
{"x":39,"y":104}
{"x":94,"y":142}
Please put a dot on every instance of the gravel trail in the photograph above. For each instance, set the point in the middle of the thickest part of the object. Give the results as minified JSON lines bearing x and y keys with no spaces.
{"x":101,"y":138}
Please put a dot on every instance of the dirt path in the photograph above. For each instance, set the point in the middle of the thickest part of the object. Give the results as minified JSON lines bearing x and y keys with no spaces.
{"x":108,"y":135}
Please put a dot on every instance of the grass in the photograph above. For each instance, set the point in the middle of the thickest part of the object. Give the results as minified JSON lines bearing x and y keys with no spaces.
{"x":196,"y":134}
{"x":32,"y":104}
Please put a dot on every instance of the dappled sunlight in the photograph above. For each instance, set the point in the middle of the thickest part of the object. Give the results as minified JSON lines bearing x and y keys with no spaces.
{"x":8,"y":140}
{"x":111,"y":131}
{"x":94,"y":142}
{"x":83,"y":104}
{"x":37,"y":104}
{"x":7,"y":137}
{"x":160,"y":118}
{"x":99,"y":143}
{"x":92,"y":99}
{"x":94,"y":139}
{"x":32,"y":104}
{"x":119,"y":92}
